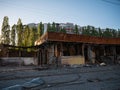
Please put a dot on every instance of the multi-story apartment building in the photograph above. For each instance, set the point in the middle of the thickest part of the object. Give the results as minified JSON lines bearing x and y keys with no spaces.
{"x":69,"y":27}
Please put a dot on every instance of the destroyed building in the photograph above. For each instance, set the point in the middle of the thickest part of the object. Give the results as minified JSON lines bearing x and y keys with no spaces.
{"x":72,"y":49}
{"x":69,"y":47}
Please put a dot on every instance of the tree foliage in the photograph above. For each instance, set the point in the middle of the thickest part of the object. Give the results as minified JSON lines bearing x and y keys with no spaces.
{"x":107,"y":33}
{"x":62,"y":30}
{"x":51,"y":27}
{"x":13,"y":35}
{"x":94,"y":32}
{"x":40,"y":29}
{"x":26,"y":35}
{"x":19,"y":32}
{"x":114,"y":33}
{"x":33,"y":36}
{"x":76,"y":29}
{"x":118,"y":34}
{"x":100,"y":32}
{"x":85,"y":31}
{"x":23,"y":35}
{"x":5,"y":31}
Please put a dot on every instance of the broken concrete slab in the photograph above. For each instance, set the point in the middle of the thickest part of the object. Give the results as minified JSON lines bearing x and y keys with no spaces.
{"x":27,"y":85}
{"x":102,"y":64}
{"x":15,"y":87}
{"x":34,"y":83}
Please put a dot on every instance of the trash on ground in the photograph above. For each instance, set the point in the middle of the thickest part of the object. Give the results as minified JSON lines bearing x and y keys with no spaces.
{"x":102,"y":64}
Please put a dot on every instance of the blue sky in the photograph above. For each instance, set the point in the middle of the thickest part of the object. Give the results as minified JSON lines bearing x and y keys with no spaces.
{"x":98,"y":13}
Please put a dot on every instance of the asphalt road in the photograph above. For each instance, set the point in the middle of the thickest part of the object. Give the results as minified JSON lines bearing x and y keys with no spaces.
{"x":66,"y":78}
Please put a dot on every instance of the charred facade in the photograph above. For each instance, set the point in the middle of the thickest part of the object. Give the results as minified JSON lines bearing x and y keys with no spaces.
{"x":61,"y":48}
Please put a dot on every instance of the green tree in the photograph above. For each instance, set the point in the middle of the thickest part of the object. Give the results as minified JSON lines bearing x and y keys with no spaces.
{"x":94,"y":32}
{"x":63,"y":30}
{"x":40,"y":29}
{"x":33,"y":33}
{"x":49,"y":28}
{"x":85,"y":31}
{"x":19,"y":32}
{"x":114,"y":33}
{"x":6,"y":31}
{"x":53,"y":28}
{"x":13,"y":35}
{"x":76,"y":29}
{"x":100,"y":32}
{"x":31,"y":37}
{"x":118,"y":33}
{"x":26,"y":35}
{"x":107,"y":33}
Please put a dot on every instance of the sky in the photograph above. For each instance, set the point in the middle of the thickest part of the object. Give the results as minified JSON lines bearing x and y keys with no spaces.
{"x":98,"y":13}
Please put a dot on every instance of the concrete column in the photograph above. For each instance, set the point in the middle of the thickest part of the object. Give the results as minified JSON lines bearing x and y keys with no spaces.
{"x":61,"y":49}
{"x":83,"y":50}
{"x":38,"y":55}
{"x":43,"y":57}
{"x":54,"y":50}
{"x":104,"y":51}
{"x":114,"y":54}
{"x":91,"y":54}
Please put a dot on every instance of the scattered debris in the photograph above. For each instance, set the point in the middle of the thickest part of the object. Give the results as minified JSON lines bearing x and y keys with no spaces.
{"x":40,"y":68}
{"x":87,"y":65}
{"x":66,"y":65}
{"x":94,"y":80}
{"x":76,"y":66}
{"x":48,"y":85}
{"x":102,"y":64}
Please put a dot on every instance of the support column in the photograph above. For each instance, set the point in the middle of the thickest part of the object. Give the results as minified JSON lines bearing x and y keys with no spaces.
{"x":91,"y":54}
{"x":114,"y":54}
{"x":8,"y":53}
{"x":56,"y":54}
{"x":61,"y":49}
{"x":19,"y":53}
{"x":54,"y":50}
{"x":83,"y":50}
{"x":38,"y":62}
{"x":43,"y":57}
{"x":104,"y":51}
